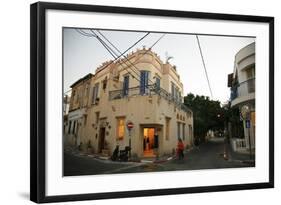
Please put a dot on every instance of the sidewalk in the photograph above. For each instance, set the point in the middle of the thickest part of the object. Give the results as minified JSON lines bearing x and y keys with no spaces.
{"x":241,"y":157}
{"x":106,"y":159}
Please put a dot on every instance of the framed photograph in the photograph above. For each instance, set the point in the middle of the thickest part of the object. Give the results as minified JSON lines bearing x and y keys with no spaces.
{"x":129,"y":102}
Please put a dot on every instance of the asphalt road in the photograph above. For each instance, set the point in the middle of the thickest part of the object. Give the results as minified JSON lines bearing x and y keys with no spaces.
{"x":84,"y":165}
{"x":207,"y":156}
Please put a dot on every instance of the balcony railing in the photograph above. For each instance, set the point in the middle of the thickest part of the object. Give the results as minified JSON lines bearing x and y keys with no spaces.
{"x":145,"y":91}
{"x":243,"y":89}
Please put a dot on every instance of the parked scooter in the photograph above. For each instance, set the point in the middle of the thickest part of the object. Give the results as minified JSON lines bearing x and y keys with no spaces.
{"x":124,"y":154}
{"x":120,"y":155}
{"x":115,"y":154}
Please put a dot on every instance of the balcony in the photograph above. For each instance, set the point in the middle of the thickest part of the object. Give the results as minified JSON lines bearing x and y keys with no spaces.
{"x":146,"y":91}
{"x":243,"y":91}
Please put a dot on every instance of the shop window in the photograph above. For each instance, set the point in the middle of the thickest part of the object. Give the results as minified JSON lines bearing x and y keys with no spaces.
{"x":121,"y":128}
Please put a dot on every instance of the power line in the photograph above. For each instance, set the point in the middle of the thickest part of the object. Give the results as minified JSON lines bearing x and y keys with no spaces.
{"x":128,"y":49}
{"x":206,"y":73}
{"x":126,"y":56}
{"x":150,"y":47}
{"x":135,"y":71}
{"x":157,"y":41}
{"x":112,"y":53}
{"x":110,"y":50}
{"x":108,"y":41}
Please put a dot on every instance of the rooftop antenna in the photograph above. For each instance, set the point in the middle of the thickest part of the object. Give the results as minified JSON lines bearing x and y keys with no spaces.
{"x":168,"y":57}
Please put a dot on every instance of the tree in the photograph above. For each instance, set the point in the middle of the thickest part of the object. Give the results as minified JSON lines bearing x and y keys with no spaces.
{"x":233,"y":117}
{"x":207,"y":114}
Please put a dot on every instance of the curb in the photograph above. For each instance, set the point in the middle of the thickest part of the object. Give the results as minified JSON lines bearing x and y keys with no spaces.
{"x":106,"y":158}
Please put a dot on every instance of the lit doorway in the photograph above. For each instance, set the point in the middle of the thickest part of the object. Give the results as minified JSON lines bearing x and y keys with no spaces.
{"x":148,"y":142}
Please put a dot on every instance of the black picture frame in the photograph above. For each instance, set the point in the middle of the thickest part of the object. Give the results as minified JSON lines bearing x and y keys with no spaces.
{"x":38,"y":100}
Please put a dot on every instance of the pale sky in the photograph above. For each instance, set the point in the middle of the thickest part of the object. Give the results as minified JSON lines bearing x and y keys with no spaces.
{"x":82,"y":55}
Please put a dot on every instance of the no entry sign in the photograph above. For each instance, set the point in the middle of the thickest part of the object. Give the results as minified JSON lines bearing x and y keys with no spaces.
{"x":130,"y":125}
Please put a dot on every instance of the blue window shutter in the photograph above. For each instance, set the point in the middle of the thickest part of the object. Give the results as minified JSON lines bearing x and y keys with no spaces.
{"x":146,"y":78}
{"x":146,"y":81}
{"x":142,"y":82}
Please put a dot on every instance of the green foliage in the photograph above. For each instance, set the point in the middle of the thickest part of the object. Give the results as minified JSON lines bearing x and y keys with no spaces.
{"x":207,"y":114}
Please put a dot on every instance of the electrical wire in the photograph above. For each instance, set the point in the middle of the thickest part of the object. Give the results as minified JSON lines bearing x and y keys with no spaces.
{"x":126,"y":56}
{"x":128,"y":49}
{"x":138,"y":75}
{"x":113,"y":53}
{"x":204,"y":65}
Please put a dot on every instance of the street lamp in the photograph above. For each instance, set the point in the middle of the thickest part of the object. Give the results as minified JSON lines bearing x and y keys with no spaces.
{"x":245,"y":111}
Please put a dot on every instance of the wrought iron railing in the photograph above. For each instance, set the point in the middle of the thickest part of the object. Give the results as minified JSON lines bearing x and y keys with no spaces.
{"x":148,"y":90}
{"x":243,"y":89}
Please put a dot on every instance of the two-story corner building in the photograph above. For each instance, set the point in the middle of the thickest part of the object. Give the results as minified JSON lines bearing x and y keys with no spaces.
{"x":242,"y":84}
{"x":140,"y":89}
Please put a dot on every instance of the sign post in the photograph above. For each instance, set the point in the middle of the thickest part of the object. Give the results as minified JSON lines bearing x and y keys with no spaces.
{"x":248,"y":124}
{"x":245,"y":111}
{"x":130,"y":126}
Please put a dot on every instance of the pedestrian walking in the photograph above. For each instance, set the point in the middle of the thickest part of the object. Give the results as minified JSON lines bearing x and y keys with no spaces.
{"x":180,"y":149}
{"x":147,"y":144}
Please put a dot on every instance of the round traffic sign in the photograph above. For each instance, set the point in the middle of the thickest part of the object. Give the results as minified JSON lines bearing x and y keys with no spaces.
{"x":130,"y":125}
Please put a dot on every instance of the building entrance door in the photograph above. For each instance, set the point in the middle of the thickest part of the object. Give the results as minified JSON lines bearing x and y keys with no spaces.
{"x":148,"y":142}
{"x":101,"y":139}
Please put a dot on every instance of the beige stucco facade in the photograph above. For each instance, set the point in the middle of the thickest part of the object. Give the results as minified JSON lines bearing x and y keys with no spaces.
{"x":103,"y":103}
{"x":243,"y":89}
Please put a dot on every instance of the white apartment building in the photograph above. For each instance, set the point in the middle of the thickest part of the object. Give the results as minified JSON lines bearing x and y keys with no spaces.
{"x":242,"y":83}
